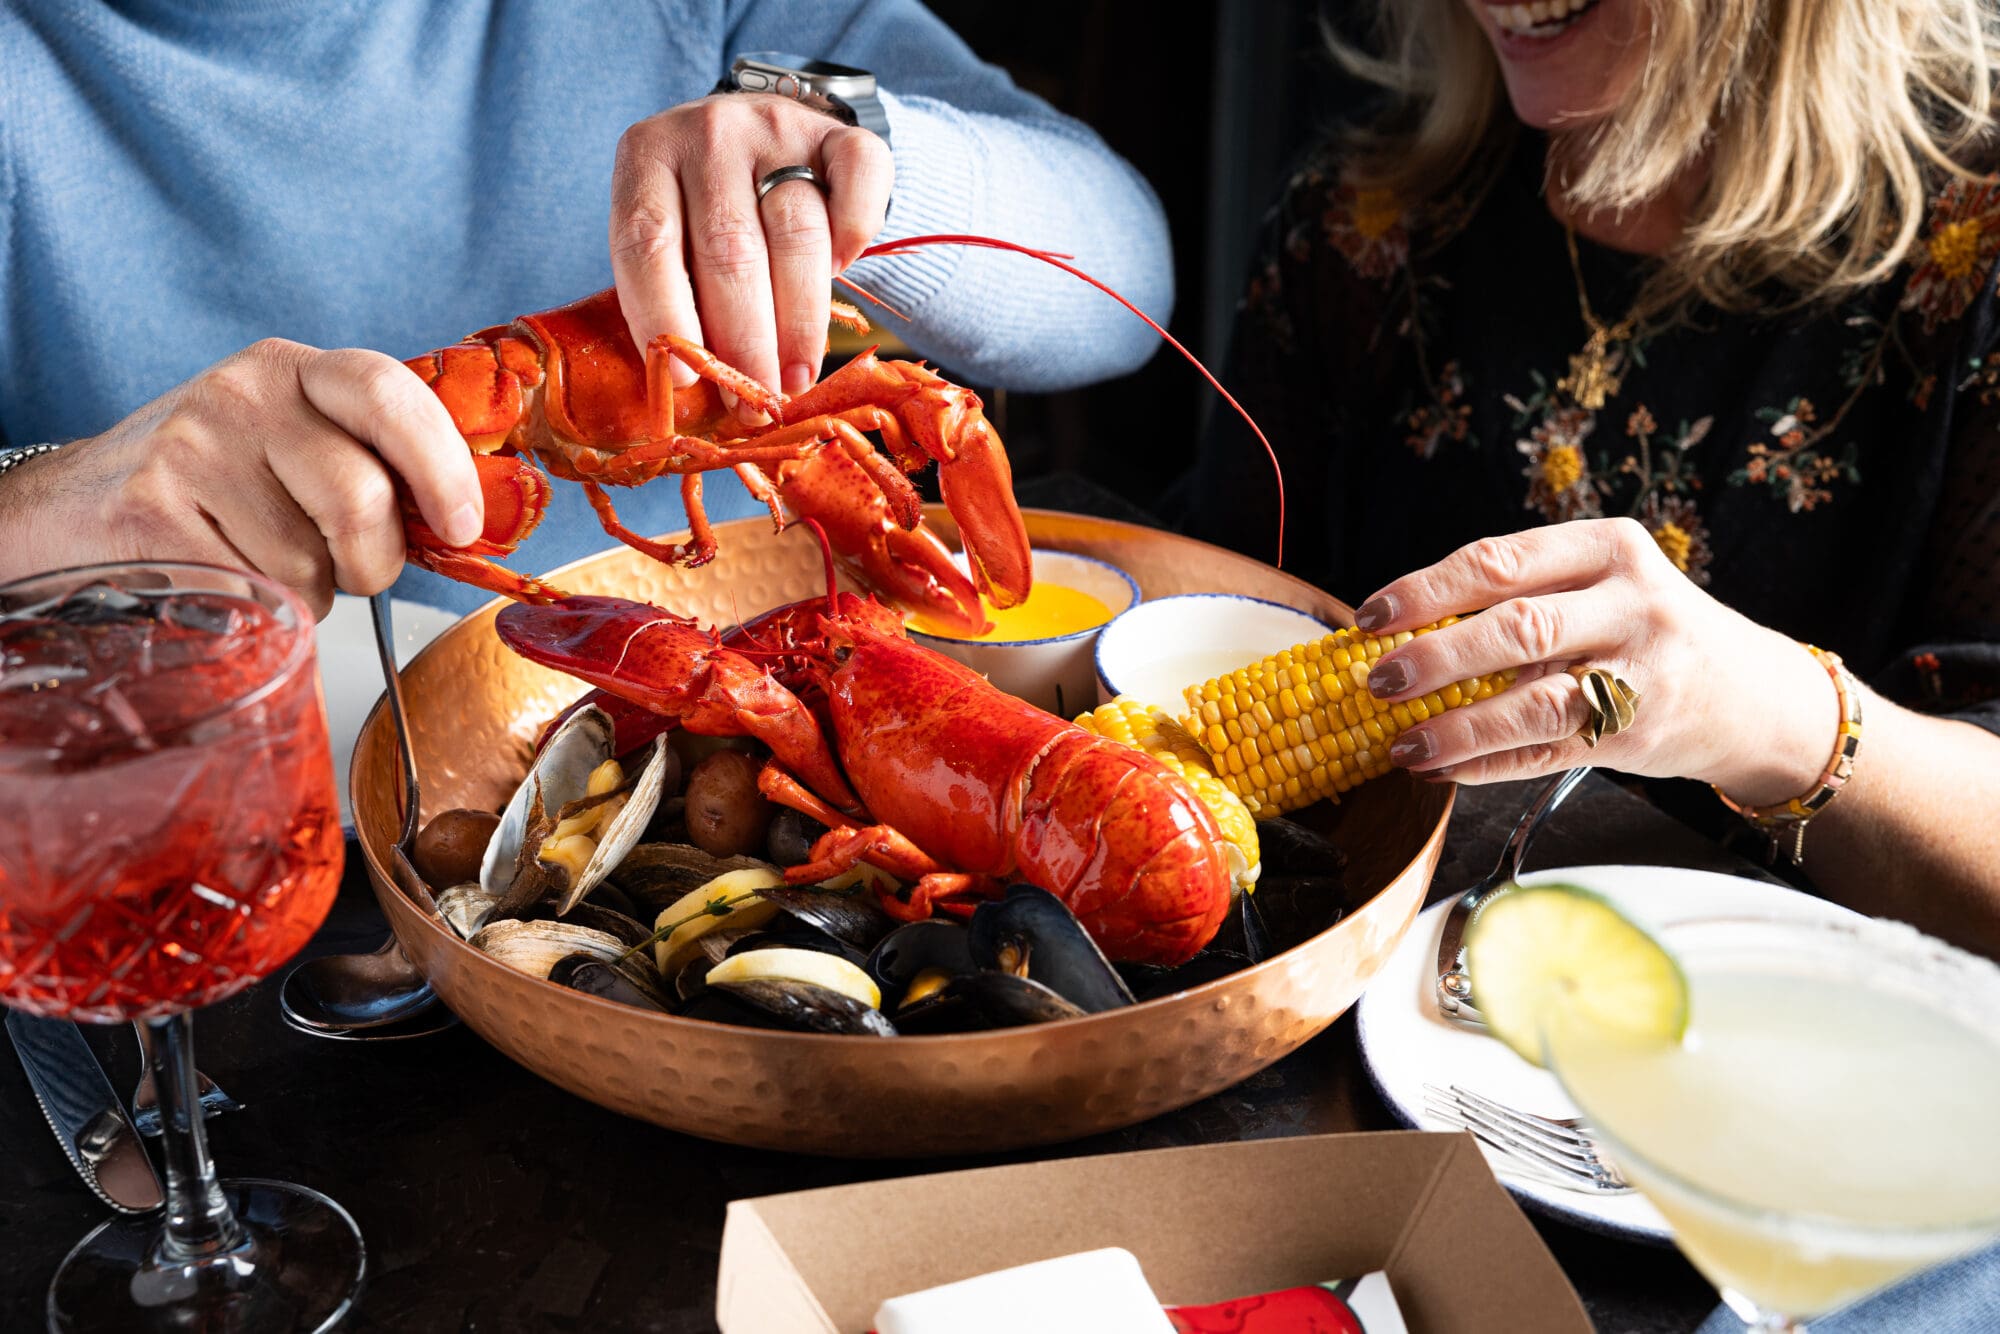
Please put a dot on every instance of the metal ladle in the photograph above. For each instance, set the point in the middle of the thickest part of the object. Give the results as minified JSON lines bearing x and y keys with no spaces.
{"x":377,"y":995}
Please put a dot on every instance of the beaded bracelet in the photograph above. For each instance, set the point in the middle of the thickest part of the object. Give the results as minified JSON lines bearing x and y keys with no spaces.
{"x":1775,"y":820}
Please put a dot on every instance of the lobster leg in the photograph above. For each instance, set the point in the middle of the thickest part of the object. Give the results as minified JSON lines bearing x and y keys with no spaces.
{"x":698,"y":550}
{"x":847,"y":843}
{"x":974,"y":477}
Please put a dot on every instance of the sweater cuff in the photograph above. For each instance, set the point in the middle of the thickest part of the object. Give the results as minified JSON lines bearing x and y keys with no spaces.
{"x":940,"y":179}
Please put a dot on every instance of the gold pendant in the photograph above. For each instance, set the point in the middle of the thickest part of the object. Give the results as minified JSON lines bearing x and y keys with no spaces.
{"x":1593,"y":378}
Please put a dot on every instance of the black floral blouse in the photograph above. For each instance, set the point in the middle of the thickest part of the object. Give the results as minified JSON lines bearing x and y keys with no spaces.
{"x":1833,"y":473}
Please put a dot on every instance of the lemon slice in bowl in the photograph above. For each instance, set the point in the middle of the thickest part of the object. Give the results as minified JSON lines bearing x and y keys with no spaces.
{"x":1549,"y":952}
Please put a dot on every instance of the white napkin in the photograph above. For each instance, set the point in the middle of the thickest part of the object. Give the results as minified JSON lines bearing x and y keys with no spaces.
{"x":1092,"y":1292}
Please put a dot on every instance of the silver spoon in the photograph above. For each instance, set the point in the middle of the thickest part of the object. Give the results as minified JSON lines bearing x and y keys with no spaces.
{"x":340,"y":994}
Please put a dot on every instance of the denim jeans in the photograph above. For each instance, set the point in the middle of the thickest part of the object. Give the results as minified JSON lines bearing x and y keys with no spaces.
{"x":1962,"y":1297}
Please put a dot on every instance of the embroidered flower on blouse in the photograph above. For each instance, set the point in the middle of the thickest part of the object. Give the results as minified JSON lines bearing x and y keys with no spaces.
{"x":1367,"y":226}
{"x":1559,"y":480}
{"x":1447,"y":418}
{"x":1676,"y":525}
{"x":1958,"y":253}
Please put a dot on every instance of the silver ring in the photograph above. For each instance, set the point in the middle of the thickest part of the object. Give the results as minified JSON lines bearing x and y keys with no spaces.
{"x":777,"y":178}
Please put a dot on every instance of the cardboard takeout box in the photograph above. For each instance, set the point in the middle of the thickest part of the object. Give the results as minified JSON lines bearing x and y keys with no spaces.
{"x":1208,"y":1223}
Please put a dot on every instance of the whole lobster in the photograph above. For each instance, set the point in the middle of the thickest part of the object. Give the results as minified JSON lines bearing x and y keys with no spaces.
{"x":570,"y":389}
{"x":915,"y":762}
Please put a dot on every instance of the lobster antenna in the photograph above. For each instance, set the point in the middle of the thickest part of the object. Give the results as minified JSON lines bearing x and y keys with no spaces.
{"x":1058,"y":260}
{"x":867,"y":295}
{"x":826,"y":553}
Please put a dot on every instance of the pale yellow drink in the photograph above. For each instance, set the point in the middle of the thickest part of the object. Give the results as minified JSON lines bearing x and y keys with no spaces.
{"x":1828,"y":1124}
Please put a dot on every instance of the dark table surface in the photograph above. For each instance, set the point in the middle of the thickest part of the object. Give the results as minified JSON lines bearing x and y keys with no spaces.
{"x":494,"y":1201}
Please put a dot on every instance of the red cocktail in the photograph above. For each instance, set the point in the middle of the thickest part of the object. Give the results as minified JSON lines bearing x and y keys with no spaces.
{"x":168,"y":835}
{"x":165,"y":844}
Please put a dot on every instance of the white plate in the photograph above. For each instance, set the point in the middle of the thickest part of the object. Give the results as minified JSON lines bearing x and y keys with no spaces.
{"x":350,"y":673}
{"x":1406,"y":1043}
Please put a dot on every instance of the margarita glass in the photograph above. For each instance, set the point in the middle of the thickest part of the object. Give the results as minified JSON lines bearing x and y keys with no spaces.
{"x":1825,"y":1127}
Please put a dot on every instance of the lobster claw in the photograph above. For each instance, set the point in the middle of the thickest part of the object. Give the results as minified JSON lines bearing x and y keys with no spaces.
{"x":671,"y":666}
{"x":975,"y":481}
{"x":907,"y":565}
{"x":516,"y":496}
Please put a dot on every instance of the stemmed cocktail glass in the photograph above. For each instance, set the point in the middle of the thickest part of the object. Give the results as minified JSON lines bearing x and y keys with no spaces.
{"x":1826,"y":1127}
{"x":168,"y":835}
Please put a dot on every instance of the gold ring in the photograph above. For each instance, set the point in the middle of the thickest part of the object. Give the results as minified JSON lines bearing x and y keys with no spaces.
{"x":1613,"y":704}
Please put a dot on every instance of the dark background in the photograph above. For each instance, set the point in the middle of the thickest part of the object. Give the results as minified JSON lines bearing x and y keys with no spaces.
{"x":1209,"y":102}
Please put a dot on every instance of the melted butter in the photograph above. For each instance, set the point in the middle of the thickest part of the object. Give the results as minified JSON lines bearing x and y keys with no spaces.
{"x":1050,"y":610}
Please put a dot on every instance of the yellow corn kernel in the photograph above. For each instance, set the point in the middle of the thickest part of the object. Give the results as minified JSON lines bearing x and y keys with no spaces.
{"x":1301,"y":723}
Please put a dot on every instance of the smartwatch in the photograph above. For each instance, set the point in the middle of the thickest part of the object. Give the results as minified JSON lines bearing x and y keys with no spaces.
{"x":841,"y":91}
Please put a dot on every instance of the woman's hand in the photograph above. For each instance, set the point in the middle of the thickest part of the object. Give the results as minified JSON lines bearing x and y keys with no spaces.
{"x":1722,"y":699}
{"x":688,"y":232}
{"x":282,"y":458}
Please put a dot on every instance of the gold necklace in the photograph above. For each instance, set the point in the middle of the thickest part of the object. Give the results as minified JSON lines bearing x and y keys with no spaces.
{"x":1597,"y":372}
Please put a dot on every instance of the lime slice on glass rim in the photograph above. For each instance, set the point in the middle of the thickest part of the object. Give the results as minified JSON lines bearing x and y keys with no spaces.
{"x":1542,"y":953}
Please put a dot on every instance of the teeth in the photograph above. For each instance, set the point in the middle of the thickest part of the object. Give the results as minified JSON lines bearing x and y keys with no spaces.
{"x":1543,"y":18}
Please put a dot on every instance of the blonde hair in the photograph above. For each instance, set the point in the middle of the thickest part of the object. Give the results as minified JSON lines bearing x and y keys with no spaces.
{"x":1824,"y":123}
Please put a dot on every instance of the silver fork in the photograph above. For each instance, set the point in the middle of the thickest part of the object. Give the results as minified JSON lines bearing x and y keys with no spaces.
{"x":1556,"y":1150}
{"x":146,"y":1101}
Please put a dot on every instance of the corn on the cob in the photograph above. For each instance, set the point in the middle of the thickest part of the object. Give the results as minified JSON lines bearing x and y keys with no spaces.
{"x":1300,"y":725}
{"x":1151,"y":730}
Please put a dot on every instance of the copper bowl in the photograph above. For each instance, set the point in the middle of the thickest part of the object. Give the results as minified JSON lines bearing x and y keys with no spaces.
{"x":474,"y":707}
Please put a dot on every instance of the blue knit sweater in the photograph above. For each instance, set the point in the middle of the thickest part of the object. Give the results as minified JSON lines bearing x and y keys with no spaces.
{"x":179,"y":178}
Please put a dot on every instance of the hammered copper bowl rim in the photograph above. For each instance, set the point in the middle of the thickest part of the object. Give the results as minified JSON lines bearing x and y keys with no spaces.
{"x":1026,"y":1035}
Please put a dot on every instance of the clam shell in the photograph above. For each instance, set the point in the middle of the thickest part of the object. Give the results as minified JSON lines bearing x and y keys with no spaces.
{"x":535,"y":947}
{"x":563,"y":772}
{"x":466,"y":907}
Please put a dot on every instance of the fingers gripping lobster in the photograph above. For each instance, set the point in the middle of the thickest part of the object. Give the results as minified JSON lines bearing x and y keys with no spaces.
{"x":915,"y":763}
{"x":569,"y":389}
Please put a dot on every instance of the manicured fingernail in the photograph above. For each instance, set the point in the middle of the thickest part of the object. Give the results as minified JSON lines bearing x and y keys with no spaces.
{"x":1375,"y":613}
{"x":745,"y":413}
{"x":1441,"y":774}
{"x":1388,"y":677}
{"x":1413,"y":747}
{"x":798,"y":378}
{"x":462,"y":528}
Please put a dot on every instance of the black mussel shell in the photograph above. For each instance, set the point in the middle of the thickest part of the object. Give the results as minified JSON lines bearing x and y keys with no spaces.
{"x":602,"y":917}
{"x":848,"y":915}
{"x":1150,"y":981}
{"x":608,"y":895}
{"x":655,"y":875}
{"x":1244,"y":930}
{"x":1286,"y":847}
{"x":791,"y":836}
{"x":817,"y":1009}
{"x":717,"y":1006}
{"x":914,"y":948}
{"x":1032,"y":933}
{"x":1295,"y":908}
{"x":594,"y":977}
{"x":1006,"y":1001}
{"x":781,"y":934}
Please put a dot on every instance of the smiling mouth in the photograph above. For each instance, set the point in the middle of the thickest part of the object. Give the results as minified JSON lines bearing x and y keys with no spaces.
{"x":1544,"y":18}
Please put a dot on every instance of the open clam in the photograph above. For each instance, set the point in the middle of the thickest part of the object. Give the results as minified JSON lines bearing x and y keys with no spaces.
{"x":572,"y":820}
